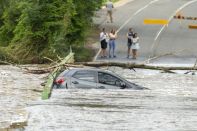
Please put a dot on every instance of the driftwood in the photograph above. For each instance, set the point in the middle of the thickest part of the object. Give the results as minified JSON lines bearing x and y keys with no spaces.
{"x":103,"y":64}
{"x":133,"y":65}
{"x":162,"y":55}
{"x":49,"y":69}
{"x":168,"y":71}
{"x":51,"y":60}
{"x":194,"y":67}
{"x":26,"y":70}
{"x":9,"y":63}
{"x":41,"y":70}
{"x":123,"y":65}
{"x":37,"y":71}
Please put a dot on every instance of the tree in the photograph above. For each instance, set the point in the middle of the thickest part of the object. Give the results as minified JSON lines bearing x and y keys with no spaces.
{"x":45,"y":27}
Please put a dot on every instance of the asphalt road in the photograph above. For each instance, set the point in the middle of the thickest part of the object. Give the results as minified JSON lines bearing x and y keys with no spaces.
{"x":155,"y":40}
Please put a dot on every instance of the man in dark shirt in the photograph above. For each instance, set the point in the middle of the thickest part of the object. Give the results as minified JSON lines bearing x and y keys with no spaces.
{"x":129,"y":43}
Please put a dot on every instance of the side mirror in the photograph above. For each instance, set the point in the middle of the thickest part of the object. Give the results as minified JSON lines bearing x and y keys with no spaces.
{"x":123,"y":85}
{"x":102,"y":81}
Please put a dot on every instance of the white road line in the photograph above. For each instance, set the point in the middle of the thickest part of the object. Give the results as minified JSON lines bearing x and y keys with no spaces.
{"x":170,"y":19}
{"x":126,"y":22}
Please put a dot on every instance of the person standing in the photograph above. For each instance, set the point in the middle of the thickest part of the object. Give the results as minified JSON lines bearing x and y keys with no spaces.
{"x":135,"y":45}
{"x":112,"y":44}
{"x":109,"y":7}
{"x":103,"y":41}
{"x":129,"y":42}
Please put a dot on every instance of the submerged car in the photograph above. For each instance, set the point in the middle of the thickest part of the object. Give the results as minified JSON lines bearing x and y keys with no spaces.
{"x":92,"y":79}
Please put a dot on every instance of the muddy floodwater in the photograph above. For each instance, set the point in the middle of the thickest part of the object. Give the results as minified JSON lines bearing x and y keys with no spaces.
{"x":169,"y":105}
{"x":17,"y":89}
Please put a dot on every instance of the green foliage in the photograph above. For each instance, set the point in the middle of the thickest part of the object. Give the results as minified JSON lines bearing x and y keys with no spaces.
{"x":8,"y":22}
{"x":3,"y":54}
{"x":83,"y":54}
{"x":32,"y":29}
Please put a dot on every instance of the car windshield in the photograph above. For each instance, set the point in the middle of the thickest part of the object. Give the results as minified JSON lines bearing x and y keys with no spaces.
{"x":117,"y":75}
{"x":106,"y":78}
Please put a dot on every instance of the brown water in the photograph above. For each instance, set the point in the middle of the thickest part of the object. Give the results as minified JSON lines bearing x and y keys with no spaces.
{"x":170,"y":105}
{"x":17,"y":89}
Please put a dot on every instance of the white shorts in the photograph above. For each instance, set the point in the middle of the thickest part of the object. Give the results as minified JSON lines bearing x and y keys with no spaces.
{"x":135,"y":46}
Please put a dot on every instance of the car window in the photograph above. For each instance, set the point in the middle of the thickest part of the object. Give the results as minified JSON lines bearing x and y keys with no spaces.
{"x":85,"y":75}
{"x":108,"y":79}
{"x":63,"y":73}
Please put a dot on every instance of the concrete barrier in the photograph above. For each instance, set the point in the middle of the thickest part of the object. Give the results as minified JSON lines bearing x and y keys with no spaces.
{"x":156,"y":21}
{"x":192,"y":26}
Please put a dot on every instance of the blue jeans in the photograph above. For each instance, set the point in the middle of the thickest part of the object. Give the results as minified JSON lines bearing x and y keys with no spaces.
{"x":112,"y":47}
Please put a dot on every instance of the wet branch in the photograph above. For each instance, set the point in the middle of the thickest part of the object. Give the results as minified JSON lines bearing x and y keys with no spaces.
{"x":133,"y":65}
{"x":193,"y":69}
{"x":166,"y":54}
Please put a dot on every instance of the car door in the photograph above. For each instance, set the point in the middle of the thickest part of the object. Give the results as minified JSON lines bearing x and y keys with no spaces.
{"x":85,"y":79}
{"x":108,"y":81}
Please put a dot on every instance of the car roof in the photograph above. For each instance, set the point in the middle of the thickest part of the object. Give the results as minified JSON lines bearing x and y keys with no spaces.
{"x":73,"y":70}
{"x":90,"y":69}
{"x":96,"y":69}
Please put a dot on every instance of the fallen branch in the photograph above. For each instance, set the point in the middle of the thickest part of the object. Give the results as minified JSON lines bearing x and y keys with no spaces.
{"x":168,"y":71}
{"x":192,"y":68}
{"x":74,"y":65}
{"x":12,"y":64}
{"x":133,"y":65}
{"x":50,"y":60}
{"x":41,"y":70}
{"x":37,"y":71}
{"x":49,"y":69}
{"x":49,"y":83}
{"x":159,"y":56}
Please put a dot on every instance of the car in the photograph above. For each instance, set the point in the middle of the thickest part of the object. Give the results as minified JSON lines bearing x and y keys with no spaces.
{"x":88,"y":78}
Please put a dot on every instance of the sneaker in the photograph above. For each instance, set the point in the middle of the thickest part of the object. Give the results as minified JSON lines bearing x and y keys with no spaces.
{"x":114,"y":56}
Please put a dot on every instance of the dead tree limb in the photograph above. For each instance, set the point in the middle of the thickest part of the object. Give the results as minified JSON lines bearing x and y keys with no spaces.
{"x":162,"y":55}
{"x":9,"y":63}
{"x":168,"y":71}
{"x":194,"y":67}
{"x":133,"y":65}
{"x":49,"y":69}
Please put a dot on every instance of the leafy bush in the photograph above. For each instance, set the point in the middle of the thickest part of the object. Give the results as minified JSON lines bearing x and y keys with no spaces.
{"x":83,"y":54}
{"x":34,"y":29}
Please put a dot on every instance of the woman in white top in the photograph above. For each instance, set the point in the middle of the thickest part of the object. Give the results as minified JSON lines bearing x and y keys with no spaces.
{"x":103,"y":40}
{"x":135,"y":45}
{"x":112,"y":44}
